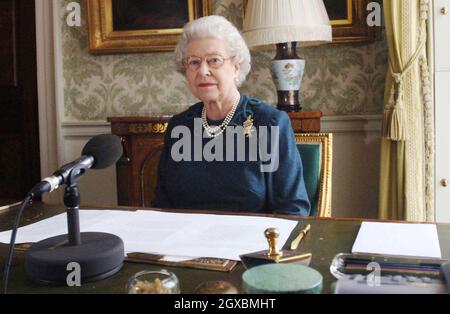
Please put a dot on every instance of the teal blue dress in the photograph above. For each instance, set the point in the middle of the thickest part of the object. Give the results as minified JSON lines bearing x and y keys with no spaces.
{"x":233,"y":182}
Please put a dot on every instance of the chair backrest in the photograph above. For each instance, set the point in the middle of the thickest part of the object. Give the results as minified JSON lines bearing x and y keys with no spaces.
{"x":316,"y":151}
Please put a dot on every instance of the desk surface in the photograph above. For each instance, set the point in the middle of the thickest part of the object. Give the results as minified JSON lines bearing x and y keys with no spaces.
{"x":327,"y":238}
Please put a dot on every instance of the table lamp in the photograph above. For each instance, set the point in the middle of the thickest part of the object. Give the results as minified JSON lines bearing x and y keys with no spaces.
{"x":284,"y":23}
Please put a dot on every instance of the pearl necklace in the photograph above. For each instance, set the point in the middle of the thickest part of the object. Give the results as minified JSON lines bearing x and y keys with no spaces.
{"x":214,"y":131}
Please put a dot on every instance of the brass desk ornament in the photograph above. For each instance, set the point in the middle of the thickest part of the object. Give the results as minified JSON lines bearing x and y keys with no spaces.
{"x":273,"y":255}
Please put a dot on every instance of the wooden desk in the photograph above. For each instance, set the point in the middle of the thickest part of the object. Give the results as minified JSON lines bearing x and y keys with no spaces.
{"x":143,"y":141}
{"x":327,"y":238}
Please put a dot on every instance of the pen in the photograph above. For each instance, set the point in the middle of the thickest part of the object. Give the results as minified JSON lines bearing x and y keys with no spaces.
{"x":296,"y":241}
{"x":2,"y":208}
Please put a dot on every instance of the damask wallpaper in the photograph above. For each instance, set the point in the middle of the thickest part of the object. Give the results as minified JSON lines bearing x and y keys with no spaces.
{"x":339,"y":79}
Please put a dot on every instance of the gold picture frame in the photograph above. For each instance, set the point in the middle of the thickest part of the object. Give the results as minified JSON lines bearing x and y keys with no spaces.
{"x":152,"y":33}
{"x":348,"y":19}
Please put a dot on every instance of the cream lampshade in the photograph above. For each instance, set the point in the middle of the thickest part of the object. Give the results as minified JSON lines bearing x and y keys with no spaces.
{"x":286,"y":23}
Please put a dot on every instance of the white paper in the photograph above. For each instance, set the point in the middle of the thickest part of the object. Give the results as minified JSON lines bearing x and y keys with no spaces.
{"x":172,"y":234}
{"x":57,"y":225}
{"x":419,"y":240}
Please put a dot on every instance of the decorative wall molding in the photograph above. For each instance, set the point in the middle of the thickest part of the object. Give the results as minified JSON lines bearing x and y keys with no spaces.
{"x":353,"y":123}
{"x":49,"y":134}
{"x":332,"y":124}
{"x":85,"y":128}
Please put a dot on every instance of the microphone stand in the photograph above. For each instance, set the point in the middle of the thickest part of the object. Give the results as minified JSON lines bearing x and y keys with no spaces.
{"x":98,"y":254}
{"x":72,"y":203}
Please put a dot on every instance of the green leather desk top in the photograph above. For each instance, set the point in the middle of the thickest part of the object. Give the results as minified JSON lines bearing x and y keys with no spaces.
{"x":326,"y":238}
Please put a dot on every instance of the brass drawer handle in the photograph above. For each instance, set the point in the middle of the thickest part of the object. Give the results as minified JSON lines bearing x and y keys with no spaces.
{"x":444,"y":183}
{"x":444,"y":10}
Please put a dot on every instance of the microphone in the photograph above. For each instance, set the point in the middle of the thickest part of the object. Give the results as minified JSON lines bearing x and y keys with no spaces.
{"x":99,"y":152}
{"x":98,"y":254}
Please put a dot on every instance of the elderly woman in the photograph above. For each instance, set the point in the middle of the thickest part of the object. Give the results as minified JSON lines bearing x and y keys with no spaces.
{"x":229,"y":152}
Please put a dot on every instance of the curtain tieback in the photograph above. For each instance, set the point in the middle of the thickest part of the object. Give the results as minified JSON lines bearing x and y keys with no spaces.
{"x":394,"y":117}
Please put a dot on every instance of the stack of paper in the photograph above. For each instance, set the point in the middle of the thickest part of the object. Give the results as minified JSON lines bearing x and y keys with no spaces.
{"x":173,"y":234}
{"x":418,"y":240}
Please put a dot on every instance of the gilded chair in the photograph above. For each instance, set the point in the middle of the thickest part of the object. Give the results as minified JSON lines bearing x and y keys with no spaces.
{"x":316,"y":151}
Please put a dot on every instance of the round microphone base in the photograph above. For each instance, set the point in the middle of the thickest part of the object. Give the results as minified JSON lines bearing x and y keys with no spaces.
{"x":52,"y":261}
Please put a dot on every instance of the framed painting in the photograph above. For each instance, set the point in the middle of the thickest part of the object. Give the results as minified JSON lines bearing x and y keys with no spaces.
{"x":127,"y":26}
{"x":349,"y":20}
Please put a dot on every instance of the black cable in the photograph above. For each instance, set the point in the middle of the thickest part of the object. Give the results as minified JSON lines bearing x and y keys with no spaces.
{"x":12,"y":242}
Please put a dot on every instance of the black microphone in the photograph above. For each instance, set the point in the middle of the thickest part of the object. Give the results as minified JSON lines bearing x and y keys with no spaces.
{"x":98,"y":254}
{"x":100,"y":152}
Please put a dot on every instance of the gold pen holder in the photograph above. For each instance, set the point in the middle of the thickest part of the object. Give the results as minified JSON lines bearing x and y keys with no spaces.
{"x":273,"y":255}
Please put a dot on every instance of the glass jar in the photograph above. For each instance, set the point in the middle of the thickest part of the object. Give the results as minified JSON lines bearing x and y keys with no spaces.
{"x":216,"y":287}
{"x":158,"y":281}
